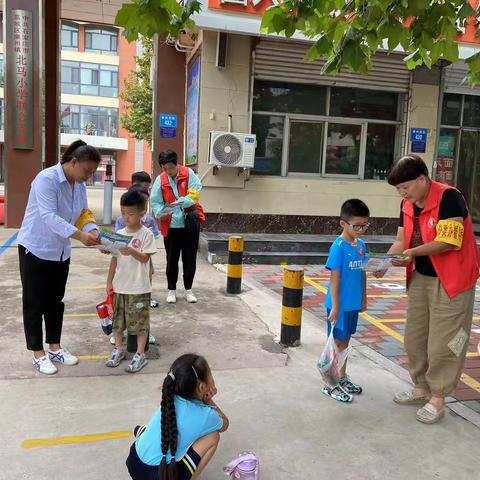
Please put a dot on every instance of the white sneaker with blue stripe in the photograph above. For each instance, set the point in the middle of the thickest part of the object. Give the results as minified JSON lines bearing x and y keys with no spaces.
{"x":44,"y":365}
{"x":63,"y":356}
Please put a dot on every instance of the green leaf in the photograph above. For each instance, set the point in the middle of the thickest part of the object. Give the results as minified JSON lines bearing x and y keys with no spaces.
{"x":465,"y":11}
{"x":436,"y":51}
{"x":321,"y":48}
{"x":450,"y":51}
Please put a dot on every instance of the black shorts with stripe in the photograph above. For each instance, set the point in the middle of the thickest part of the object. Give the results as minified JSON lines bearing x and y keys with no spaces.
{"x":138,"y":470}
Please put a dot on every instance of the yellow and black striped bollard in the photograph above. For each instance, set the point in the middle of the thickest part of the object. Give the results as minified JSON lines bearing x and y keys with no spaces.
{"x":292,"y":306}
{"x":234,"y":268}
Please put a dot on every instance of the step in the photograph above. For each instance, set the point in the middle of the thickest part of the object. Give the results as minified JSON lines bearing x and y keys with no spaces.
{"x":273,"y":258}
{"x":281,"y":248}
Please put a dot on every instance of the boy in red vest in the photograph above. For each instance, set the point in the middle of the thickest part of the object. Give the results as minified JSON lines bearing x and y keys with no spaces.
{"x":178,"y":185}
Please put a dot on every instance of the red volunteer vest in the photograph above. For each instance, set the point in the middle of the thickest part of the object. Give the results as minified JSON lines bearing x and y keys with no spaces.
{"x":457,"y":270}
{"x":169,"y":196}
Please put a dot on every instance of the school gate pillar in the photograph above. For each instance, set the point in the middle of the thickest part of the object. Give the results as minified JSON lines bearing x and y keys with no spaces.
{"x":25,"y":107}
{"x":168,"y":97}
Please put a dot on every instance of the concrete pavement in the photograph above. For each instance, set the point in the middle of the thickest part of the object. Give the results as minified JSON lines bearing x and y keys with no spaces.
{"x":271,"y":395}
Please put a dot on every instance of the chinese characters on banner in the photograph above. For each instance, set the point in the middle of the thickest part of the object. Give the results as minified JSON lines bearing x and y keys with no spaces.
{"x":21,"y":77}
{"x":256,"y":7}
{"x":445,"y":170}
{"x":193,"y":106}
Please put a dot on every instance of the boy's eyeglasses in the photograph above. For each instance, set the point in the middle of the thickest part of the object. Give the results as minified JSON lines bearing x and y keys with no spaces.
{"x":358,"y":227}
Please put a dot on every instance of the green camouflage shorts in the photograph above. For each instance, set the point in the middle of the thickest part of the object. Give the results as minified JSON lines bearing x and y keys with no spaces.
{"x":131,"y":313}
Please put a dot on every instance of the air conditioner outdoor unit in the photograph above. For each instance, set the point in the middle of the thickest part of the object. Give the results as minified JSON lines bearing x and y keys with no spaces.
{"x":229,"y":149}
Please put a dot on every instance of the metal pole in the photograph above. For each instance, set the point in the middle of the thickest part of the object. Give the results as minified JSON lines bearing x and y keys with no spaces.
{"x":108,"y":196}
{"x":234,"y":267}
{"x":292,"y":306}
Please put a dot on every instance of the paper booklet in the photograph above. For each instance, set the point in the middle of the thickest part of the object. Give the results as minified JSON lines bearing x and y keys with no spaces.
{"x":378,"y":262}
{"x":112,"y":241}
{"x":170,"y":208}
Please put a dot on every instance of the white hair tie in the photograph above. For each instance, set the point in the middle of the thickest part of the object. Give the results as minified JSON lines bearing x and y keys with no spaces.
{"x":171,"y":375}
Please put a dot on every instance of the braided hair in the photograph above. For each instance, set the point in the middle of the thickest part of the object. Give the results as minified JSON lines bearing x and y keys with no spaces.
{"x":185,"y":373}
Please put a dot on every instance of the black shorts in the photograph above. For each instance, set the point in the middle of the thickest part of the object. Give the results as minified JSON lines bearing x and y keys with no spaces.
{"x":141,"y":471}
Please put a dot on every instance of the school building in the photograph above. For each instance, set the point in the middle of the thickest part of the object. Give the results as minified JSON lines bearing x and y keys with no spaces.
{"x":95,"y":60}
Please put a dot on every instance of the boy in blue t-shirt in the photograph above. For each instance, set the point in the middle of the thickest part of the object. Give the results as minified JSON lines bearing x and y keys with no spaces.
{"x":347,"y":292}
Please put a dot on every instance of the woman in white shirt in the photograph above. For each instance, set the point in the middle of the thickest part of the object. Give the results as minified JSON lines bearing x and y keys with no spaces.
{"x":56,"y":212}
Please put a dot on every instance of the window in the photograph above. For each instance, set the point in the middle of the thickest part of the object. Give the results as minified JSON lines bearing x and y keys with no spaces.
{"x":380,"y":152}
{"x":101,"y":40}
{"x":289,"y":98}
{"x":69,"y":36}
{"x":297,"y":134}
{"x":471,"y":111}
{"x":89,"y":79}
{"x":70,"y":77}
{"x":268,"y":154}
{"x":452,"y":108}
{"x":89,"y":120}
{"x":343,"y":149}
{"x":358,"y":103}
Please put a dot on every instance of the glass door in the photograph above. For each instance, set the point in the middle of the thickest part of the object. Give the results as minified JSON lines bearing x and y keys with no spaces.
{"x":468,"y":173}
{"x":305,"y":147}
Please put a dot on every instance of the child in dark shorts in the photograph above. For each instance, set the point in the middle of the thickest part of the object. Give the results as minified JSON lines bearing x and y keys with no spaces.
{"x":183,"y":434}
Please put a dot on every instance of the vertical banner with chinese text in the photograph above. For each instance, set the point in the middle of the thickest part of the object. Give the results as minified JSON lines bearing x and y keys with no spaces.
{"x":192,"y":114}
{"x":20,"y":76}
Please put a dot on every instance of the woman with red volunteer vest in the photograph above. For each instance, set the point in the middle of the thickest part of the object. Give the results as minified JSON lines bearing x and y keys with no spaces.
{"x":436,"y":236}
{"x":178,"y":185}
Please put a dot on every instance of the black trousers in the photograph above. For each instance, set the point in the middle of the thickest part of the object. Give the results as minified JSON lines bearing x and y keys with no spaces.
{"x":43,"y":288}
{"x":180,"y":241}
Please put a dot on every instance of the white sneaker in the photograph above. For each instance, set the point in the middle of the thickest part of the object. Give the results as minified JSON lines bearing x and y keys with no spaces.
{"x":44,"y":365}
{"x":191,"y":298}
{"x":172,"y":296}
{"x":63,"y":356}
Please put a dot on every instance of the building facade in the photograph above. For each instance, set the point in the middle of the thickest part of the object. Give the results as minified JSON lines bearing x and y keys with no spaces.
{"x":320,"y":139}
{"x":95,"y":61}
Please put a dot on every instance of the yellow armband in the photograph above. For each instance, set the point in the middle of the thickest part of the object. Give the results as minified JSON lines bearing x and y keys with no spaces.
{"x":193,"y":195}
{"x":451,"y":232}
{"x":86,"y":216}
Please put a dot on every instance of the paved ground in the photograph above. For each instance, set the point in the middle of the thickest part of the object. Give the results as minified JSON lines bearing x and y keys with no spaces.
{"x":76,"y":425}
{"x":382,"y":326}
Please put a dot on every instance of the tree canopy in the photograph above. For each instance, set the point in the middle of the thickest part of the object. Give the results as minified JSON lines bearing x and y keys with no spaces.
{"x":346,"y":33}
{"x":138,"y":96}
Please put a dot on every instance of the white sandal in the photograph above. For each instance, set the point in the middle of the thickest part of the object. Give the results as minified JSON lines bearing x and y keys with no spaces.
{"x":429,"y":414}
{"x":407,"y":398}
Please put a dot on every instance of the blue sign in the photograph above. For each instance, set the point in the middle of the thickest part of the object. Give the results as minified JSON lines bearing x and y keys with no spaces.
{"x":168,"y":120}
{"x":418,"y":135}
{"x":418,"y":147}
{"x":168,"y":132}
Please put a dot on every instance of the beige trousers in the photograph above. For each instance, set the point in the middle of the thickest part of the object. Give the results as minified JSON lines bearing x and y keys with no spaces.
{"x":437,"y":334}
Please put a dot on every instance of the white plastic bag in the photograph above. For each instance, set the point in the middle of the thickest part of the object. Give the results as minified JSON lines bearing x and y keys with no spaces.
{"x":331,"y":362}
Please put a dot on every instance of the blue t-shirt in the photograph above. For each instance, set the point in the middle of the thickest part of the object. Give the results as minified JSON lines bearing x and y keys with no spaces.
{"x":147,"y":220}
{"x":348,"y":260}
{"x":194,"y":420}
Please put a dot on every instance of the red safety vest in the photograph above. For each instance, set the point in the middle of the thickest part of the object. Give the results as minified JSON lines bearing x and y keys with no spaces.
{"x":169,"y":196}
{"x":457,"y":270}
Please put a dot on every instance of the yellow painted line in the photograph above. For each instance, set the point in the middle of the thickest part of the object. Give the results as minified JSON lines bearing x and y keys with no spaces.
{"x":392,"y":320}
{"x":471,"y":382}
{"x":95,"y":437}
{"x":83,"y":287}
{"x":473,"y":354}
{"x":73,"y":315}
{"x":381,"y":326}
{"x":93,"y":357}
